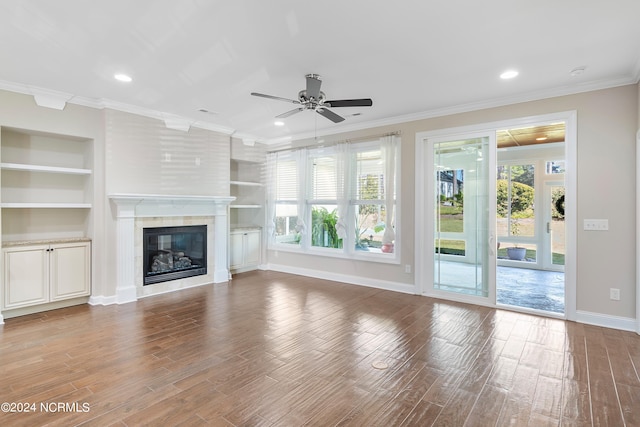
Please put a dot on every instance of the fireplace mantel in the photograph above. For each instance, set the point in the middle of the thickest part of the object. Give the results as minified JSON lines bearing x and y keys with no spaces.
{"x":132,"y":206}
{"x":149,"y":205}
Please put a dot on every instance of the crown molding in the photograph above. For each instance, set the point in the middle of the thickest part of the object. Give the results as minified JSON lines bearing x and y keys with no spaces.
{"x":57,"y":100}
{"x":636,"y":72}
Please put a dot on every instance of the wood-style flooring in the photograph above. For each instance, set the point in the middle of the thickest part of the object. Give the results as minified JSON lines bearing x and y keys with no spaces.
{"x":273,"y":349}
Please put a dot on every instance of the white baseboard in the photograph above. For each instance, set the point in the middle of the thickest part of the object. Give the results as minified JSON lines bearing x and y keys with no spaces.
{"x":589,"y":318}
{"x":607,"y":321}
{"x":102,"y":300}
{"x":345,"y":278}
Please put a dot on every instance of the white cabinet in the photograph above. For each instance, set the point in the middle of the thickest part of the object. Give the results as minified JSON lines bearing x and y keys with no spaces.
{"x":245,"y":249}
{"x":26,"y":276}
{"x":43,"y":273}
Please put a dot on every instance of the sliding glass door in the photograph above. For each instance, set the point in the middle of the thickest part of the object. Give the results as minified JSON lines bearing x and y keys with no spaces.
{"x":462,"y":190}
{"x":470,"y":211}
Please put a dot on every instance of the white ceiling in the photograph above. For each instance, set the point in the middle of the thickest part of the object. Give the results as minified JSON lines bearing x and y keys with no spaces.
{"x":413,"y":58}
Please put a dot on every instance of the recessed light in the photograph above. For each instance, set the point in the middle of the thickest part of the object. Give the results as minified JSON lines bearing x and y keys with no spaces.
{"x":122,"y":78}
{"x":278,"y":123}
{"x":542,"y":138}
{"x":509,"y":74}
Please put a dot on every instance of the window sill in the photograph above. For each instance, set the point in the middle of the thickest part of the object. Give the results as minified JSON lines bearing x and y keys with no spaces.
{"x":358,"y":255}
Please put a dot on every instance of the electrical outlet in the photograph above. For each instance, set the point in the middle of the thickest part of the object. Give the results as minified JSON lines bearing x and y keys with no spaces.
{"x":614,"y":294}
{"x":407,"y":268}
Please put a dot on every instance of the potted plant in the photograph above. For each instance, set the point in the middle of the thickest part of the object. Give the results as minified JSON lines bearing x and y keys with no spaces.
{"x":516,"y":253}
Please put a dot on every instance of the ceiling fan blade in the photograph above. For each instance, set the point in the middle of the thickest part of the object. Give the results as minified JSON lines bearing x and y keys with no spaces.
{"x":330,"y":115}
{"x":294,"y":101}
{"x":289,"y":113}
{"x":313,"y":86}
{"x":365,"y":102}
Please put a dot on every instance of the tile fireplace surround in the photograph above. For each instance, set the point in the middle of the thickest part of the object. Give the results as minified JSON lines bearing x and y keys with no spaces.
{"x":137,"y":211}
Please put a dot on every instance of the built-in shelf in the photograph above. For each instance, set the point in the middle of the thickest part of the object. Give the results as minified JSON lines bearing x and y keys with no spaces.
{"x":46,"y":205}
{"x":245,"y":206}
{"x":40,"y":168}
{"x":247,"y":184}
{"x":246,"y":214}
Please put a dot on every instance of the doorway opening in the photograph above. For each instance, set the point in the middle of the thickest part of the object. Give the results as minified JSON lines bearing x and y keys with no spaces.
{"x":530,"y":226}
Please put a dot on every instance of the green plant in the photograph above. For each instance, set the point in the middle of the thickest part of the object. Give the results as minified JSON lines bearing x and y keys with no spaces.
{"x":515,"y":228}
{"x":557,"y":200}
{"x":522,"y":196}
{"x":323,"y":224}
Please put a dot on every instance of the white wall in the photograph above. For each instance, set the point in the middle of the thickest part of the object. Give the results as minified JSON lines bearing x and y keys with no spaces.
{"x":607,"y":124}
{"x":144,"y":157}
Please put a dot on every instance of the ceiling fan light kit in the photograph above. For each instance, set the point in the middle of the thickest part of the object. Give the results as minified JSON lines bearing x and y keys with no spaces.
{"x":312,"y":98}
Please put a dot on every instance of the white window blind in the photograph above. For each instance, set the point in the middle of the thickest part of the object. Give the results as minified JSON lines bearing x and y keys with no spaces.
{"x":287,"y":180}
{"x":324,"y":178}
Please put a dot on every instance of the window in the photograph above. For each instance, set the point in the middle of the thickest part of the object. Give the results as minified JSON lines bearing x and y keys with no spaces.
{"x":515,"y":196}
{"x":370,"y":213}
{"x":286,"y":189}
{"x":345,"y":193}
{"x":323,"y":200}
{"x":555,"y":167}
{"x":516,"y":218}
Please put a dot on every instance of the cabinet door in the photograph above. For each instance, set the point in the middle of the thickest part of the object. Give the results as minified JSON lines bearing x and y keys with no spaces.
{"x":70,"y":270}
{"x":236,"y":250}
{"x":252,"y":248}
{"x":26,"y":276}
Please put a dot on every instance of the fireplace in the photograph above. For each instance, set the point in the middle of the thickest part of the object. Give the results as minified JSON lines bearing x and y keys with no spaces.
{"x":171,"y":253}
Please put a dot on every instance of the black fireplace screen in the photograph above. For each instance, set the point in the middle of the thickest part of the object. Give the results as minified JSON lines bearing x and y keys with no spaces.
{"x":172,"y":253}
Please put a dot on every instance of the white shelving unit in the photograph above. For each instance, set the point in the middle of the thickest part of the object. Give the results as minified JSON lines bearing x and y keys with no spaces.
{"x":246,"y":186}
{"x":246,"y":206}
{"x":46,"y":185}
{"x":46,"y":195}
{"x":48,"y":169}
{"x":247,"y":213}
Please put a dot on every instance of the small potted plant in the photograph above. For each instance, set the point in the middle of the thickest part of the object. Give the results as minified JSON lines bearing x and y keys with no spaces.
{"x":516,"y":253}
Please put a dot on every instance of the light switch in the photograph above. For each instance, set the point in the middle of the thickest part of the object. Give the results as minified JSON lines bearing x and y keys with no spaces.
{"x":596,"y":224}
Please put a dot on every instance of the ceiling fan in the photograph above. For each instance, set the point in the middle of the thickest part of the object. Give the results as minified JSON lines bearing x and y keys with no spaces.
{"x":312,"y":98}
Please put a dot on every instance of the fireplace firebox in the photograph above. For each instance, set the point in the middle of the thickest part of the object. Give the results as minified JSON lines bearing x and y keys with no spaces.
{"x":172,"y":253}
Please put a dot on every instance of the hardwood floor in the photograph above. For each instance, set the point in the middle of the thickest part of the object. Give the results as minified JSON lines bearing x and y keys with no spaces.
{"x":272,"y":349}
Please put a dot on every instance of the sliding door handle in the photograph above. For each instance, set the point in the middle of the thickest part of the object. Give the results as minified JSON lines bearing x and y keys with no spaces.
{"x":492,"y":245}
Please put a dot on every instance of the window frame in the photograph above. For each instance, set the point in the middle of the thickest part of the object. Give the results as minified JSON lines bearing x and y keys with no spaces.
{"x":347,"y":197}
{"x":288,"y":157}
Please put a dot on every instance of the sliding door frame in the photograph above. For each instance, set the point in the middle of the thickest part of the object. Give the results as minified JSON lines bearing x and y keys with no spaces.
{"x":424,"y":216}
